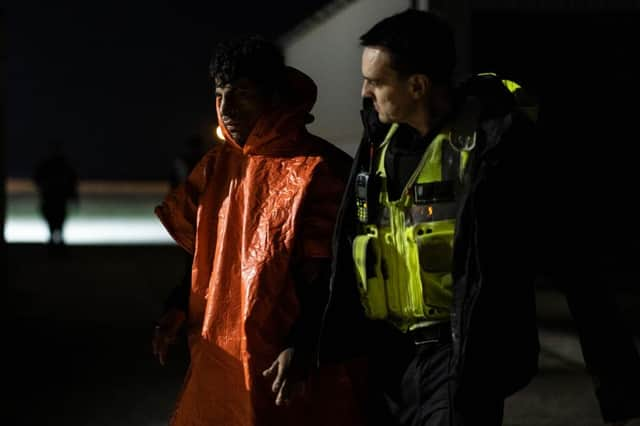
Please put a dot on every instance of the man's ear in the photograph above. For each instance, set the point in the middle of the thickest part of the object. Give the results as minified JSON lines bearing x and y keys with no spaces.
{"x":419,"y":86}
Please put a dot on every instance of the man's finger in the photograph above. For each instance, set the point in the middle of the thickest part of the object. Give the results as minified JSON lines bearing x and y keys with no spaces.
{"x":156,"y":340}
{"x":280,"y":378}
{"x":284,"y":394}
{"x":157,"y":345}
{"x":161,"y":356}
{"x":269,"y":371}
{"x":162,"y":352}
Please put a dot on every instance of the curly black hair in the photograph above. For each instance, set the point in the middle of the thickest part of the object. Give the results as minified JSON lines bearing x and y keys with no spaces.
{"x":250,"y":56}
{"x":418,"y":41}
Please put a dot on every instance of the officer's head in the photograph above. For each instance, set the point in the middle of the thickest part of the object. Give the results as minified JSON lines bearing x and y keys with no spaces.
{"x":247,"y":73}
{"x":405,"y":58}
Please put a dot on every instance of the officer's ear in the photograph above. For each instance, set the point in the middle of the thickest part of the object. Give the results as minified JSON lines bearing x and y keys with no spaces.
{"x":419,"y":86}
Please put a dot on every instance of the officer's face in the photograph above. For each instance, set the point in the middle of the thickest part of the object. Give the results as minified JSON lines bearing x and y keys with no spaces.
{"x":386,"y":88}
{"x":240,"y":104}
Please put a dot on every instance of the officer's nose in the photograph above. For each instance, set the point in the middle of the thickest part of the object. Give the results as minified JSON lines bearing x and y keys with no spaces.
{"x":365,"y":92}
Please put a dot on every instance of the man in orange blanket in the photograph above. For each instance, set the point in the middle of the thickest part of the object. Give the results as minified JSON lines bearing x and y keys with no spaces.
{"x":257,"y":214}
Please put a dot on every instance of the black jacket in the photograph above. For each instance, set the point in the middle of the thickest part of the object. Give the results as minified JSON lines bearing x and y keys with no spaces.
{"x":495,"y":341}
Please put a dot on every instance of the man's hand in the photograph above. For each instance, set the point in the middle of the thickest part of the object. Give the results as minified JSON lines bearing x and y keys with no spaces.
{"x":289,"y":382}
{"x":165,"y":332}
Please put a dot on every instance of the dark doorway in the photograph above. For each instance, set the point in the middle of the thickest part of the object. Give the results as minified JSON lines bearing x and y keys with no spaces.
{"x":582,"y":66}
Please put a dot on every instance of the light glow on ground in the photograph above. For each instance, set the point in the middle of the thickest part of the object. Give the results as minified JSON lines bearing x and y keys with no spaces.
{"x":106,"y":213}
{"x":96,"y":230}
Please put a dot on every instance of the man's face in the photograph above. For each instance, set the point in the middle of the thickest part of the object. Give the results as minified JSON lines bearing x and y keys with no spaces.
{"x":241,"y":104}
{"x":388,"y":91}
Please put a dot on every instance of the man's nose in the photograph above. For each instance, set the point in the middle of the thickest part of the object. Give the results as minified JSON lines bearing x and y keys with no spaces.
{"x":365,"y":92}
{"x":226,"y":105}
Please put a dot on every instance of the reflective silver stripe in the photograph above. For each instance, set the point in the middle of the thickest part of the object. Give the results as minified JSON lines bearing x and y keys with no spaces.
{"x":423,"y":213}
{"x":432,"y":212}
{"x":434,"y":192}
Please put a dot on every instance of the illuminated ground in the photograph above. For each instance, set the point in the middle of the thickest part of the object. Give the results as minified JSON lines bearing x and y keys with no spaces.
{"x":98,"y":218}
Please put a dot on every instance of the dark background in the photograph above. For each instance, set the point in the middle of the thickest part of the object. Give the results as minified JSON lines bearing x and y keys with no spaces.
{"x":582,"y":66}
{"x":122,"y":84}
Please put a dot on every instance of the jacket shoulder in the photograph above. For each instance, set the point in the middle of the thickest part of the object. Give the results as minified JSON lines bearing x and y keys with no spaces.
{"x":495,"y":98}
{"x":335,"y":158}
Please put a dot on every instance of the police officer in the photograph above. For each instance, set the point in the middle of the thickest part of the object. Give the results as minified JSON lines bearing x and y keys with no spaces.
{"x":431,"y":277}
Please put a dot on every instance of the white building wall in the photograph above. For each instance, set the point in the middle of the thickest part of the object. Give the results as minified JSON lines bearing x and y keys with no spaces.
{"x":330,"y":53}
{"x":327,"y":48}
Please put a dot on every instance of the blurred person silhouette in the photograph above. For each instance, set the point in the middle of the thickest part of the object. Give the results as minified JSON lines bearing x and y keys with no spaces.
{"x":57,"y":185}
{"x":256,"y":213}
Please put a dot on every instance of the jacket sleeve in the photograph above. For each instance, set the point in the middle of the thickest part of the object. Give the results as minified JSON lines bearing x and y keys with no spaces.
{"x":345,"y":331}
{"x":311,"y":265}
{"x":319,"y":211}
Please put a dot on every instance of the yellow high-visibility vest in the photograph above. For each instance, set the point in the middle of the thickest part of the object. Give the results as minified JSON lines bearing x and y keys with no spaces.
{"x":403,"y":261}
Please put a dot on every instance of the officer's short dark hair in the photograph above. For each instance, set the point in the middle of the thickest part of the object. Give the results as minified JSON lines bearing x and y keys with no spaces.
{"x":249,"y":56}
{"x":419,"y":42}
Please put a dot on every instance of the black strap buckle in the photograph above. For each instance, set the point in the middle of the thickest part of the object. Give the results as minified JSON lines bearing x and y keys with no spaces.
{"x":434,"y":333}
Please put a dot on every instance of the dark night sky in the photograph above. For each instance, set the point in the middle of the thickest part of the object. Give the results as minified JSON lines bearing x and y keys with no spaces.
{"x":123,"y":85}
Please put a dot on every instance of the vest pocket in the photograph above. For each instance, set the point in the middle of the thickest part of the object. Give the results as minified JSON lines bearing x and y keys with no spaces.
{"x":433,"y":258}
{"x":404,"y":289}
{"x":435,"y":252}
{"x":366,"y":257}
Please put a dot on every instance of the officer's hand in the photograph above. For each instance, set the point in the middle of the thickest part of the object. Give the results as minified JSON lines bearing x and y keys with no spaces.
{"x":289,"y":382}
{"x":165,"y":333}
